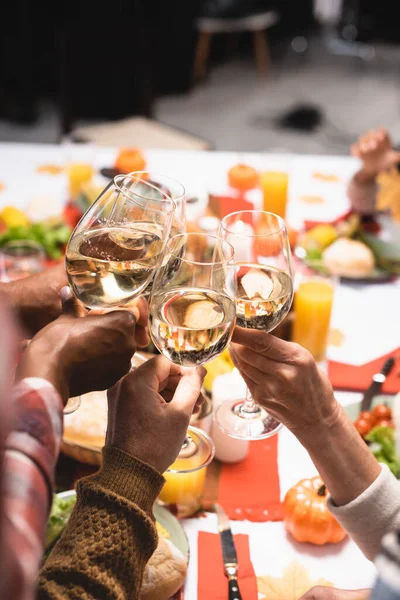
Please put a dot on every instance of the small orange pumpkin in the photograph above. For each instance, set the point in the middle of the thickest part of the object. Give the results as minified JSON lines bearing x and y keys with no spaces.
{"x":306,"y":514}
{"x":242,"y":177}
{"x":129,"y":160}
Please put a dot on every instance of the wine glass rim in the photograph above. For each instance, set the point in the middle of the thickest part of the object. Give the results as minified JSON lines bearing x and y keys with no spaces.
{"x":31,"y":244}
{"x":281,"y":222}
{"x":155,"y":183}
{"x":205,"y":263}
{"x":168,"y":210}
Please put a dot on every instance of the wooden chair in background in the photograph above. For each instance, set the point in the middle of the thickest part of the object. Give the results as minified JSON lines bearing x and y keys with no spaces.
{"x":257,"y":24}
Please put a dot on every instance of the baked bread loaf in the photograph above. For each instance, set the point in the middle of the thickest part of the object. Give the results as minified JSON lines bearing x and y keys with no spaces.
{"x":87,"y":426}
{"x":164,"y":573}
{"x":349,"y":258}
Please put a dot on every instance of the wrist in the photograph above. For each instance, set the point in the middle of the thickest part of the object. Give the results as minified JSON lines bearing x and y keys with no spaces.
{"x":322,"y":431}
{"x":36,"y":362}
{"x":366,"y":176}
{"x":129,"y":477}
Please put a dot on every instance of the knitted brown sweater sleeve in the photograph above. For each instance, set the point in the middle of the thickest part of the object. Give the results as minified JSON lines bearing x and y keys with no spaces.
{"x":110,"y":535}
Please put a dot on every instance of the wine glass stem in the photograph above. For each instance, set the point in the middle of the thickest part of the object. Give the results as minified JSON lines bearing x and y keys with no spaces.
{"x":249,"y":405}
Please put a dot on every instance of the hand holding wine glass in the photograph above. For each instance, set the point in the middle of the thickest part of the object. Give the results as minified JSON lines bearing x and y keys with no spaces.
{"x":192,"y":315}
{"x":264,"y":296}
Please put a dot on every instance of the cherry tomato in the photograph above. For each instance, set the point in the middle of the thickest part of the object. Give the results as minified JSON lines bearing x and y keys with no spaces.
{"x":384,"y":423}
{"x":368,"y":416}
{"x":382,"y":412}
{"x":363,"y":426}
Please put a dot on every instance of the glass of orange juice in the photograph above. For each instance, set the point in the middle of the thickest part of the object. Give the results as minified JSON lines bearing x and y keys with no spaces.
{"x":78,"y":165}
{"x":274,"y":186}
{"x":313,"y":302}
{"x":185,"y":479}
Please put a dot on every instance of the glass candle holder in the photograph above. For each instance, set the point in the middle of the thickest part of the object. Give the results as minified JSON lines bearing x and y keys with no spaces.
{"x":186,"y":477}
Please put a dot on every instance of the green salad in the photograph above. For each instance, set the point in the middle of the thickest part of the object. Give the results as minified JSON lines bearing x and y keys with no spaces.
{"x":382,"y":444}
{"x":53,"y":237}
{"x":59,"y":515}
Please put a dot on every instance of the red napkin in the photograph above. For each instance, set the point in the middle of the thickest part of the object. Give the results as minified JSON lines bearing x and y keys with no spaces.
{"x":249,"y":489}
{"x":230,"y":204}
{"x":349,"y":377}
{"x":212,"y":581}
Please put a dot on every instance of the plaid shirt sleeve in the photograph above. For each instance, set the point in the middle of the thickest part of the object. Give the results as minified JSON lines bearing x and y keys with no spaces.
{"x":30,"y":456}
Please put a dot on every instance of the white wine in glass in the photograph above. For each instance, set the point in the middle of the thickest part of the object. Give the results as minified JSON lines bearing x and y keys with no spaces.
{"x":192,"y":311}
{"x":162,"y":186}
{"x":264,"y":297}
{"x":192,"y":306}
{"x":116,"y":247}
{"x":192,"y":326}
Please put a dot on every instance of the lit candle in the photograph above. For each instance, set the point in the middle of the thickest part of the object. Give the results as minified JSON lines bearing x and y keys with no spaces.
{"x":242,"y":244}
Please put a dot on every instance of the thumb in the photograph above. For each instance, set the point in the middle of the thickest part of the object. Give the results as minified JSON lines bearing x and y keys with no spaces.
{"x":189,"y":389}
{"x":70,"y":304}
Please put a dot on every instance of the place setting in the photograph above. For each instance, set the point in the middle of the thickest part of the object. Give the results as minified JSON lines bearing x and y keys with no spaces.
{"x":240,"y":479}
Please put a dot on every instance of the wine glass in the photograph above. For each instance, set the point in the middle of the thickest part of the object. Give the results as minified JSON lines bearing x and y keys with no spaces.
{"x":192,"y":314}
{"x":264,"y":296}
{"x":164,"y":186}
{"x":21,"y":258}
{"x":119,"y":242}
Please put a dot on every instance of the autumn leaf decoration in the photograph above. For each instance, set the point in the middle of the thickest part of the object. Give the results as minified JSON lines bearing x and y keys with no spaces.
{"x":388,"y":197}
{"x":292,"y":585}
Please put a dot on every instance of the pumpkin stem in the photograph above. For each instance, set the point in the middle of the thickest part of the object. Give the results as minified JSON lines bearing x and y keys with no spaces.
{"x":322,"y":490}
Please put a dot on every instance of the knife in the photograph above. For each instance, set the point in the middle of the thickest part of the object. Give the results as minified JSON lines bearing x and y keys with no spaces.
{"x":377,"y":381}
{"x":228,"y":553}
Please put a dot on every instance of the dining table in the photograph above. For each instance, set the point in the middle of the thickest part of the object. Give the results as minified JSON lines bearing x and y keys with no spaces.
{"x":363,"y":314}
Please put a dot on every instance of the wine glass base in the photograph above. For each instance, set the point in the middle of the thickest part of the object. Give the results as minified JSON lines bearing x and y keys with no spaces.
{"x":258,"y":425}
{"x":197,"y":452}
{"x":72,"y":405}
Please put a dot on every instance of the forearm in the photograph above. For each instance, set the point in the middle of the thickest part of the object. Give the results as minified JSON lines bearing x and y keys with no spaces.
{"x":362,"y":192}
{"x":30,"y":455}
{"x":342,"y":458}
{"x":364,"y":496}
{"x":110,"y":535}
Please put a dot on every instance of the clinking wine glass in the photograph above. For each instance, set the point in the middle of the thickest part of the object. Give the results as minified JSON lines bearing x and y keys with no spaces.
{"x":192,"y":317}
{"x":264,"y":296}
{"x":116,"y":247}
{"x":161,"y":186}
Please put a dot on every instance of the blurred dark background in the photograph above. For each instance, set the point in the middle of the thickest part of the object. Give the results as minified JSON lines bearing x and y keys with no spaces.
{"x":99,"y":63}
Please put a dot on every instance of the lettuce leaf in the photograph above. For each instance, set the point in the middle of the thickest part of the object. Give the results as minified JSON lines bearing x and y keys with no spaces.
{"x":382,"y":445}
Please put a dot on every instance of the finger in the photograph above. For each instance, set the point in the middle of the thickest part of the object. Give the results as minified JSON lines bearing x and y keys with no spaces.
{"x":143,"y":308}
{"x":266,"y":344}
{"x":142,"y":336}
{"x":70,"y":304}
{"x":250,"y":374}
{"x":259,"y":361}
{"x":328,"y":593}
{"x":189,"y":390}
{"x":157,"y":372}
{"x":105,"y":311}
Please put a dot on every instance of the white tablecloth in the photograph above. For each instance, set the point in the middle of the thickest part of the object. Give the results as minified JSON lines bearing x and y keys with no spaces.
{"x":364,"y":313}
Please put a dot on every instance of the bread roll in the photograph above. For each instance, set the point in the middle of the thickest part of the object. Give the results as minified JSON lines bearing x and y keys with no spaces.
{"x":165,"y":572}
{"x":88,"y":425}
{"x":349,"y":258}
